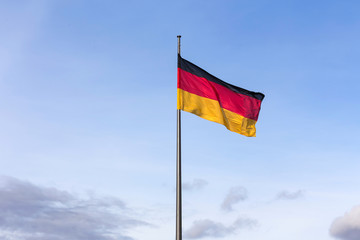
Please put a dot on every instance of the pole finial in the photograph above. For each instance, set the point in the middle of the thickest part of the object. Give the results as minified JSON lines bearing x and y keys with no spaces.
{"x":179,"y":36}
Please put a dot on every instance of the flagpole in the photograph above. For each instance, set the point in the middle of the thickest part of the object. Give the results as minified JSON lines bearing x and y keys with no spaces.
{"x":178,"y":171}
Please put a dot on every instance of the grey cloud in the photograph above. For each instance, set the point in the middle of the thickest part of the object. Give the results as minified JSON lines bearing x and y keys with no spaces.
{"x":31,"y":212}
{"x":286,"y":195}
{"x":208,"y":228}
{"x":347,"y":227}
{"x":196,"y":184}
{"x":235,"y":195}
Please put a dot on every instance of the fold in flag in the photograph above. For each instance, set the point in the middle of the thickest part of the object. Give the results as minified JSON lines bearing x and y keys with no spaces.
{"x":206,"y":96}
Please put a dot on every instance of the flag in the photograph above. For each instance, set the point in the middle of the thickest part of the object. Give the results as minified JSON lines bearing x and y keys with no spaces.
{"x":206,"y":96}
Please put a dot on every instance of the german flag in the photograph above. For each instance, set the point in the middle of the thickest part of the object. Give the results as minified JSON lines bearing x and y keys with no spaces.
{"x":206,"y":96}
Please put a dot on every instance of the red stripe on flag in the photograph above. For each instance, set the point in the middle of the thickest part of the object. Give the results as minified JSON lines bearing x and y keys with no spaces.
{"x":238,"y":103}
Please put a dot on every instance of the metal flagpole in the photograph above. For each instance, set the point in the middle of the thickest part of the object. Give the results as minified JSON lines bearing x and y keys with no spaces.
{"x":178,"y":171}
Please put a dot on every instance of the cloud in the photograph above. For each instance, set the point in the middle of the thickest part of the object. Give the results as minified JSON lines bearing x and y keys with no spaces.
{"x":196,"y":184}
{"x":347,"y":227}
{"x":208,"y":228}
{"x":31,"y":212}
{"x":286,"y":195}
{"x":235,"y":195}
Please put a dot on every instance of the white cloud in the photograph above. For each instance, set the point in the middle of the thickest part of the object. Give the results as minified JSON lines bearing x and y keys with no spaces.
{"x":235,"y":195}
{"x":31,"y":212}
{"x":347,"y":227}
{"x":208,"y":228}
{"x":196,"y":184}
{"x":286,"y":195}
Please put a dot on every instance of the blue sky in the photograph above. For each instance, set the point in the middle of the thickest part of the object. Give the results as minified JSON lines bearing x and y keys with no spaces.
{"x":88,"y":120}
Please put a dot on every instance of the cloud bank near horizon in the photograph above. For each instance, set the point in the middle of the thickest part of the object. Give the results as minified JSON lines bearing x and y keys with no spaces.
{"x":33,"y":212}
